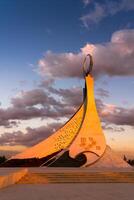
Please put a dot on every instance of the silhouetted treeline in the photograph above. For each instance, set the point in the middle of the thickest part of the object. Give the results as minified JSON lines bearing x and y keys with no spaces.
{"x":27,"y":162}
{"x":2,"y":159}
{"x":129,"y":161}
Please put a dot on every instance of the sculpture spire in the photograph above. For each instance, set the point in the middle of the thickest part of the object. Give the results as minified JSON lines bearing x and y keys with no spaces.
{"x":88,"y":70}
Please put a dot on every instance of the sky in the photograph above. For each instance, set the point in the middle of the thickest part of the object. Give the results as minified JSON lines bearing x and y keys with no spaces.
{"x":42,"y":47}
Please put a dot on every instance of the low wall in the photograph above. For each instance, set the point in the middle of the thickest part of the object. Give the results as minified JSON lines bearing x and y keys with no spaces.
{"x":12,"y":177}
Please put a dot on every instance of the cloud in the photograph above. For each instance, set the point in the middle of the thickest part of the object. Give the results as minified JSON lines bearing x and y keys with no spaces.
{"x":9,"y":116}
{"x":113,"y":128}
{"x":62,"y":65}
{"x":47,"y":82}
{"x":112,"y":114}
{"x":102,"y":92}
{"x":126,"y":5}
{"x":94,"y":16}
{"x":31,"y":137}
{"x":114,"y":58}
{"x":69,"y":96}
{"x":102,"y":10}
{"x":38,"y":103}
{"x":115,"y":115}
{"x":33,"y":97}
{"x":86,"y":2}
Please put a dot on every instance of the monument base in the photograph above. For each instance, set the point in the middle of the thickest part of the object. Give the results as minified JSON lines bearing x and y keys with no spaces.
{"x":110,"y":160}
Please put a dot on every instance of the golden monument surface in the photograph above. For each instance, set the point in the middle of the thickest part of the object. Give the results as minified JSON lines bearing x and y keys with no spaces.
{"x":80,"y":142}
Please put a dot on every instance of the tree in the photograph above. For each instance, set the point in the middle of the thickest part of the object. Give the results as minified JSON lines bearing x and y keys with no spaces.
{"x":131,"y":162}
{"x":2,"y":159}
{"x":125,"y":158}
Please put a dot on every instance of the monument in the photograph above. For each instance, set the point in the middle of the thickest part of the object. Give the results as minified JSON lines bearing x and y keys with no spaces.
{"x":79,"y":143}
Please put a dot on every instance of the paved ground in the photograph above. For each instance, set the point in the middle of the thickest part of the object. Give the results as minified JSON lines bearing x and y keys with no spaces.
{"x":5,"y":170}
{"x":69,"y":192}
{"x":77,"y":169}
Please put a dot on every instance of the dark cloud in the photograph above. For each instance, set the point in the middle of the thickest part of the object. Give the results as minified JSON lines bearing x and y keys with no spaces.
{"x":111,"y":114}
{"x":22,"y":113}
{"x":113,"y":117}
{"x":26,"y":107}
{"x":118,"y":115}
{"x":71,"y":96}
{"x":38,"y":103}
{"x":33,"y":97}
{"x":31,"y":137}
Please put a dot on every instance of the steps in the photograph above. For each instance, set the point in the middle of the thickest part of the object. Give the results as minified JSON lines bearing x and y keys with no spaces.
{"x":77,"y":177}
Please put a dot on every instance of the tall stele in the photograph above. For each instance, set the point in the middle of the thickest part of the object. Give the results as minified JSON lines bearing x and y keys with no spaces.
{"x":80,"y":142}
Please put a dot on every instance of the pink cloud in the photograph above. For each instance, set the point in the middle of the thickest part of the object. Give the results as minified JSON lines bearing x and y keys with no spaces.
{"x":115,"y":58}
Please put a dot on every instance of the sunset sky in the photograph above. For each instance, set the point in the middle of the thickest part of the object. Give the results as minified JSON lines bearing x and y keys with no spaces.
{"x":42,"y":47}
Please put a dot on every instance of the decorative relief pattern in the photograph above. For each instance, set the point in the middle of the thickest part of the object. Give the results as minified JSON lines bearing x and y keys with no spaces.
{"x":88,"y":143}
{"x":65,"y":137}
{"x":57,"y":141}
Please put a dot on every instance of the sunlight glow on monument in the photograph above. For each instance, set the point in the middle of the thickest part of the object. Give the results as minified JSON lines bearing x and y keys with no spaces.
{"x":90,"y":139}
{"x":79,"y":143}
